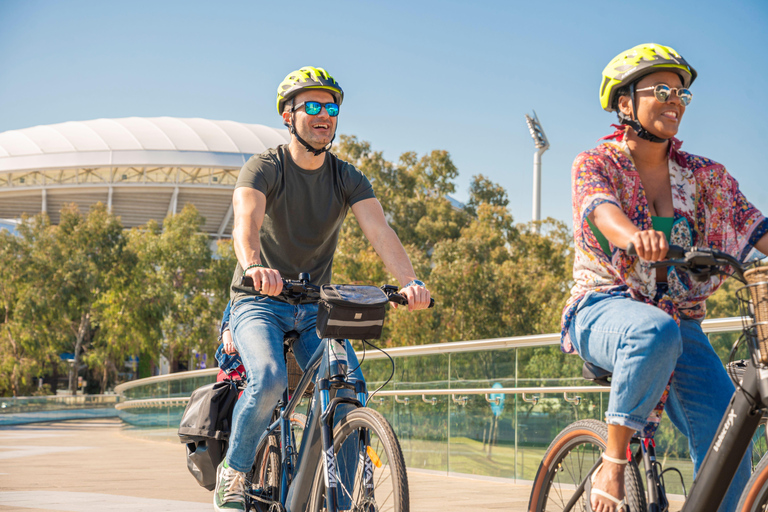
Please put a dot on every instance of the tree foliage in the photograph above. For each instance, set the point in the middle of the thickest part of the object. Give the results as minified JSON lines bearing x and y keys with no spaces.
{"x":91,"y":288}
{"x":99,"y":293}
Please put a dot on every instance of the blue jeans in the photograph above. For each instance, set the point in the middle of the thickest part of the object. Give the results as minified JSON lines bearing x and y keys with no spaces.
{"x":258,"y":325}
{"x":642,"y":345}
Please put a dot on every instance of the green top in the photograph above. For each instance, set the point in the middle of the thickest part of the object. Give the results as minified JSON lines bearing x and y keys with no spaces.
{"x":663,"y":224}
{"x":304,"y":212}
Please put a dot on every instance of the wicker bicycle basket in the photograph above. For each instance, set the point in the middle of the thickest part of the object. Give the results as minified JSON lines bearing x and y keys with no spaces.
{"x":295,"y":374}
{"x":757,"y":283}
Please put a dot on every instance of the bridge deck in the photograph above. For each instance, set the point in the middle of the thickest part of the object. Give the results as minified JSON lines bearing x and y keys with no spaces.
{"x":97,"y":466}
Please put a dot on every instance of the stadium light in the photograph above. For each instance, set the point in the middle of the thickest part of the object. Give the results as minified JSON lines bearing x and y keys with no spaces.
{"x":542,"y":144}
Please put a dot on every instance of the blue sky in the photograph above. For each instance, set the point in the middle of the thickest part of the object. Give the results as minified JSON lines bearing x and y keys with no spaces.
{"x":418,"y":75}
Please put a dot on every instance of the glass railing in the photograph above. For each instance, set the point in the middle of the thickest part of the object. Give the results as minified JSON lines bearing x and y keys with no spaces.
{"x":16,"y":411}
{"x":486,"y":407}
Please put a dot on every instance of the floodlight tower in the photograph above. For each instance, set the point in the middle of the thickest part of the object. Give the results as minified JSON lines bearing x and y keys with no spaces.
{"x":542,"y":144}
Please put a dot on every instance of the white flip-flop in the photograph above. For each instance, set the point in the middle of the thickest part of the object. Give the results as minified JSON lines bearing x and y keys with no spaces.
{"x":621,"y":505}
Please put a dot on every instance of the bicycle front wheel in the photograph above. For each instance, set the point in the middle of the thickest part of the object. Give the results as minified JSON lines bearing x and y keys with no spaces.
{"x":567,"y":463}
{"x":755,"y":495}
{"x":364,"y":442}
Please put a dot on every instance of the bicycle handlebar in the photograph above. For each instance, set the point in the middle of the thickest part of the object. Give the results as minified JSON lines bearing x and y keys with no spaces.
{"x":299,"y":290}
{"x":701,"y":262}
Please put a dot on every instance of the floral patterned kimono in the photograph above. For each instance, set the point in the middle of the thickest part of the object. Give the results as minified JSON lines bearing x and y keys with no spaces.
{"x":709,"y":211}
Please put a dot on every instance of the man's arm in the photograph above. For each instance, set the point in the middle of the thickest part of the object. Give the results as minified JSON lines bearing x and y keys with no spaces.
{"x":249,"y":206}
{"x":370,"y":216}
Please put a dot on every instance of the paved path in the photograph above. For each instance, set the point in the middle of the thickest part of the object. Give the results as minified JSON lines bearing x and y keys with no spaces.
{"x":97,"y":466}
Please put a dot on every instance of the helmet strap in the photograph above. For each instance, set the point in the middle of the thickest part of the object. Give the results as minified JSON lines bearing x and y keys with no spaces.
{"x":633,"y":122}
{"x":310,"y":149}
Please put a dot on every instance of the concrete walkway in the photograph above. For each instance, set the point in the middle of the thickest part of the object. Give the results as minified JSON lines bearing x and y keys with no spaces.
{"x":98,"y":466}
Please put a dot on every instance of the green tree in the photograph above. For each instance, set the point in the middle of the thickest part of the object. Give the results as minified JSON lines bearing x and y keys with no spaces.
{"x":180,"y":255}
{"x":22,"y":354}
{"x":87,"y":251}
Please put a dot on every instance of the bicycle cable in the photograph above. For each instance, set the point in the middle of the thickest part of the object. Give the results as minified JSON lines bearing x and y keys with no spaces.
{"x":359,"y":363}
{"x":664,"y":484}
{"x":392,"y":361}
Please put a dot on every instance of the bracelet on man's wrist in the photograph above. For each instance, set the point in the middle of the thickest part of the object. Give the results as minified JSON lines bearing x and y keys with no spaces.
{"x":252,"y":265}
{"x":415,"y":282}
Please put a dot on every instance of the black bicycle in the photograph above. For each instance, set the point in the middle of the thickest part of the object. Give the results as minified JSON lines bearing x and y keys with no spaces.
{"x":307,"y":463}
{"x":576,"y":452}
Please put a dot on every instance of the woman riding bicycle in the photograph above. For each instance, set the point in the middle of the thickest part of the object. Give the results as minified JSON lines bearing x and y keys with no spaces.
{"x":644,"y":324}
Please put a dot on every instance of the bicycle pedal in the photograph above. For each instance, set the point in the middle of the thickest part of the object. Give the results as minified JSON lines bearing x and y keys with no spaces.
{"x":254,"y":505}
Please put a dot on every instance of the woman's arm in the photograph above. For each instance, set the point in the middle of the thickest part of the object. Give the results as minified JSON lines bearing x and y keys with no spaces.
{"x":618,"y":229}
{"x":762,"y":244}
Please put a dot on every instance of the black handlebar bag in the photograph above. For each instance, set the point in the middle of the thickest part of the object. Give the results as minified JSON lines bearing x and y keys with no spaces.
{"x":347,"y":311}
{"x":205,"y":428}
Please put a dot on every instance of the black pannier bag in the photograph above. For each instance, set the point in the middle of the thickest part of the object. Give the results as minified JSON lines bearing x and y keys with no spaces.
{"x":205,"y":427}
{"x":351,"y":312}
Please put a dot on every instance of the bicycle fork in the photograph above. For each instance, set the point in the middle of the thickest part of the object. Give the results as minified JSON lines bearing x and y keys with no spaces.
{"x":330,"y":462}
{"x":329,"y":457}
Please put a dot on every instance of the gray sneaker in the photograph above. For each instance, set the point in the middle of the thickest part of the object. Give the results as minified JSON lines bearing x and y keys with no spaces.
{"x":229,"y":495}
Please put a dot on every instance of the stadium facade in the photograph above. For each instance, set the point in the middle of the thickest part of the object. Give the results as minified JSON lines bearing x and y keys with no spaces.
{"x":141,"y":168}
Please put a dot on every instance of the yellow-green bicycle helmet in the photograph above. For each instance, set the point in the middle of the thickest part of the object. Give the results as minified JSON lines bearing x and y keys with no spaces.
{"x":307,"y":77}
{"x":632,"y":64}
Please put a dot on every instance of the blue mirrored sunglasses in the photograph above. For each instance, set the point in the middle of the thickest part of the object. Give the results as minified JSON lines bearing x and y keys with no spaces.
{"x":314,"y":107}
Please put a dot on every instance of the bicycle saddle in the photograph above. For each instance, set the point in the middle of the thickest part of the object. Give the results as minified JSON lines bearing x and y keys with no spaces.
{"x":290,"y":338}
{"x":596,"y":374}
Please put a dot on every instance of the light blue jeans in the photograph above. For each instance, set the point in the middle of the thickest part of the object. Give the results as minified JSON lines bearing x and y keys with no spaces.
{"x":642,"y":345}
{"x":258,"y":325}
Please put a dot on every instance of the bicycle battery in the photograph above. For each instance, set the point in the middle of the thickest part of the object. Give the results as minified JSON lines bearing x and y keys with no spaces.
{"x":350,"y":312}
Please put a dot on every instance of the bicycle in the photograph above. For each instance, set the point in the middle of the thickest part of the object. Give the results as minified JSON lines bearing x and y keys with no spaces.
{"x":576,"y":451}
{"x":356,"y":465}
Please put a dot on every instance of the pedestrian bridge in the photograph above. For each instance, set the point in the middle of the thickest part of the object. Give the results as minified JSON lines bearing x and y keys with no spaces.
{"x":472,"y":419}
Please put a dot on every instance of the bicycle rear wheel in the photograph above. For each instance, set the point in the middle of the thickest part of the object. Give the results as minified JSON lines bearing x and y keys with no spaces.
{"x":567,"y":463}
{"x":755,"y":495}
{"x":264,"y":479}
{"x":365,"y":438}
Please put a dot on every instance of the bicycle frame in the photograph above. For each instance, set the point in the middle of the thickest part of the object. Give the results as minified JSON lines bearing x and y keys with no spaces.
{"x":317,"y":440}
{"x":731,"y":441}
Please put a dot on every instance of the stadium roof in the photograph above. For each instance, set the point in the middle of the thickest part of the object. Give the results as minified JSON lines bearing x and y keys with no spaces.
{"x":135,"y":141}
{"x":142,"y":168}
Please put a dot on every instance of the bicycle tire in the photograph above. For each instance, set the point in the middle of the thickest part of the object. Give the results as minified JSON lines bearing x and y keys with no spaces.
{"x":264,"y":477}
{"x":265,"y":474}
{"x":755,"y":494}
{"x":390,"y":493}
{"x":566,"y":464}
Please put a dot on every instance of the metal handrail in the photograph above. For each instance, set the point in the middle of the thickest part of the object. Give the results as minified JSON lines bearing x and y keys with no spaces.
{"x":179,"y":401}
{"x":120,"y":388}
{"x":536,"y":340}
{"x":716,"y":325}
{"x":153,"y":402}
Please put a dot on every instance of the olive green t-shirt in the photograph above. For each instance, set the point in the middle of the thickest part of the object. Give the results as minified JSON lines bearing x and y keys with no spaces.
{"x":304,"y":212}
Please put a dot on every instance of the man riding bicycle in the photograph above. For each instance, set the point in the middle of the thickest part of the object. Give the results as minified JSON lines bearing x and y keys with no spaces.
{"x":640,"y":323}
{"x":289,"y":205}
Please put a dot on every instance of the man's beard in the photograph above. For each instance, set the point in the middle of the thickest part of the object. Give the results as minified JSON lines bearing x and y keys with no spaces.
{"x":312,"y":139}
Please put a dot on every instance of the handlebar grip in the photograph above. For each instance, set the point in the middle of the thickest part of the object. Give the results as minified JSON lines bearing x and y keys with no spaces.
{"x":675,"y":252}
{"x":399,"y":299}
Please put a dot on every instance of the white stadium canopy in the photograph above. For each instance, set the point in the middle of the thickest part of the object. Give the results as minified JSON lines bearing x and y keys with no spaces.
{"x":141,"y":168}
